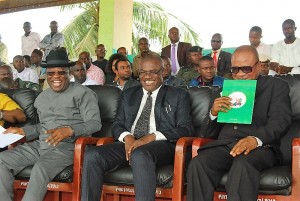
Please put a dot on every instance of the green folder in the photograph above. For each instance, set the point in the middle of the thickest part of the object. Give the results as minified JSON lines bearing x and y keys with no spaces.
{"x":242,"y":93}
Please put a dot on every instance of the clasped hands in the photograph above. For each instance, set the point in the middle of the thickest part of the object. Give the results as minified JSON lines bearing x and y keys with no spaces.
{"x":55,"y":135}
{"x":131,"y":143}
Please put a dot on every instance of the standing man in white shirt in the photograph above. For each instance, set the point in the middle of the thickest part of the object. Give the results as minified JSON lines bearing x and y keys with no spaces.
{"x":25,"y":74}
{"x":255,"y":34}
{"x":30,"y":40}
{"x":177,"y":51}
{"x":285,"y":53}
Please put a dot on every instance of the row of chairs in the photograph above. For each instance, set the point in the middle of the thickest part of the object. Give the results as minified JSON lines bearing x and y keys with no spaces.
{"x":278,"y":183}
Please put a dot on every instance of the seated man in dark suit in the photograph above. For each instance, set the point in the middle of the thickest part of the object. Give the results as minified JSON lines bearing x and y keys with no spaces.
{"x":207,"y":72}
{"x":221,"y":58}
{"x":149,"y":121}
{"x":243,"y":150}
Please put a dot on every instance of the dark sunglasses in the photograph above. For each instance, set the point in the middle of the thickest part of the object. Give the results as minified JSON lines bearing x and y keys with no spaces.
{"x":244,"y":69}
{"x":216,"y":41}
{"x":60,"y":73}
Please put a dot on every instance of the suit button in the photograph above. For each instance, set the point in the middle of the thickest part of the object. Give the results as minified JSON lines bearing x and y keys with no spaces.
{"x":235,"y":127}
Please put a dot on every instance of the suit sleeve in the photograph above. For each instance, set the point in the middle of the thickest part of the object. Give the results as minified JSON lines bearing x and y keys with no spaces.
{"x":183,"y":122}
{"x":118,"y":127}
{"x":279,"y":115}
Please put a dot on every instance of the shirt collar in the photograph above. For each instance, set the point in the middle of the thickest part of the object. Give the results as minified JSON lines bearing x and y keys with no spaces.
{"x":154,"y":93}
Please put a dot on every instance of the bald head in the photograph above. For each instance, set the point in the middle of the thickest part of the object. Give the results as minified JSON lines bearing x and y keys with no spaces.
{"x":245,"y":56}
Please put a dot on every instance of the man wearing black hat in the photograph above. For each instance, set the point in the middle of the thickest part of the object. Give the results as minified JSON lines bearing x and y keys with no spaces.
{"x":189,"y":72}
{"x":66,"y":111}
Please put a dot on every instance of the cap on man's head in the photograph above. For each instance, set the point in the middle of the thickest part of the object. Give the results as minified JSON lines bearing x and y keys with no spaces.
{"x":57,"y":58}
{"x":195,"y":49}
{"x":38,"y":52}
{"x":264,"y":58}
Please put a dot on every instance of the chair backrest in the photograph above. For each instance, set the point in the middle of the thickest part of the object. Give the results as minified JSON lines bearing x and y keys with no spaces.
{"x":108,"y":101}
{"x":294,"y":130}
{"x":25,"y":99}
{"x":201,"y":100}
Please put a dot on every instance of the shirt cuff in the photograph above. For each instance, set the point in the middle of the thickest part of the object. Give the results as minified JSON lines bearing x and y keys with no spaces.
{"x":123,"y":135}
{"x":159,"y":136}
{"x":259,"y":142}
{"x":212,"y":117}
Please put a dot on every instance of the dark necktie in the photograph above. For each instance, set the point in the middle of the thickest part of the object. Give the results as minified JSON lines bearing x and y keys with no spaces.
{"x":143,"y":123}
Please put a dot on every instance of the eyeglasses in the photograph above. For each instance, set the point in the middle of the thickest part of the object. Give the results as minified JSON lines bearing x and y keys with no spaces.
{"x":151,"y":73}
{"x":216,"y":41}
{"x":59,"y":73}
{"x":6,"y":74}
{"x":244,"y":69}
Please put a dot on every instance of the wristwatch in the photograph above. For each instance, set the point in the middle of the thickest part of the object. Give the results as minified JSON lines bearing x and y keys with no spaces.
{"x":1,"y":114}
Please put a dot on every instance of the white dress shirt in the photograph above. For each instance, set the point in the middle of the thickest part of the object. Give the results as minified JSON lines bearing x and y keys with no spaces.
{"x":28,"y":75}
{"x":264,"y":49}
{"x":152,"y":128}
{"x":30,"y":42}
{"x":286,"y":54}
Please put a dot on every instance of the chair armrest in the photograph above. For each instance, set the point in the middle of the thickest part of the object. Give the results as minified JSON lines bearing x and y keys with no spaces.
{"x":199,"y":142}
{"x":79,"y":150}
{"x":179,"y":165}
{"x":296,"y":168}
{"x":105,"y":140}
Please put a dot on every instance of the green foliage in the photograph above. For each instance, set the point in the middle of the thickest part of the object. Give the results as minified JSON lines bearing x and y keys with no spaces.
{"x":149,"y":20}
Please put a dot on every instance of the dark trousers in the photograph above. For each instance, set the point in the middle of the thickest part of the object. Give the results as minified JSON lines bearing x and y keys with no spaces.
{"x":144,"y":161}
{"x":206,"y":170}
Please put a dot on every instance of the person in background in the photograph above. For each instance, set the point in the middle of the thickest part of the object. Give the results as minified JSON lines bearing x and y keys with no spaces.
{"x":110,"y":75}
{"x":168,"y":78}
{"x":101,"y":62}
{"x":27,"y":61}
{"x":92,"y":71}
{"x":177,"y":51}
{"x":122,"y":50}
{"x":285,"y":53}
{"x":255,"y":35}
{"x":207,"y":72}
{"x":122,"y":69}
{"x":30,"y":40}
{"x":79,"y":74}
{"x":51,"y":41}
{"x":36,"y":61}
{"x":144,"y":48}
{"x":265,"y":65}
{"x":221,"y":58}
{"x":3,"y":52}
{"x":7,"y":82}
{"x":25,"y":74}
{"x":189,"y":72}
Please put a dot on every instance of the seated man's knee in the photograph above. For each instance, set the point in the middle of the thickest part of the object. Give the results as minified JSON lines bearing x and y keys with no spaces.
{"x":240,"y":161}
{"x":140,"y":154}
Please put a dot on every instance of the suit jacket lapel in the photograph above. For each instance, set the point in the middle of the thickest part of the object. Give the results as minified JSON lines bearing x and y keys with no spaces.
{"x":159,"y":104}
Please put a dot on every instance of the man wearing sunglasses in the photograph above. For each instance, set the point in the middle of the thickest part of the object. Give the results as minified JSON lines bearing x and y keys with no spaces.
{"x":242,"y":150}
{"x":221,"y":58}
{"x":66,"y":112}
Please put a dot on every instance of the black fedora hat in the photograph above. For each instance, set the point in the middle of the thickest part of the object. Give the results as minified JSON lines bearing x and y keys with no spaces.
{"x":57,"y":58}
